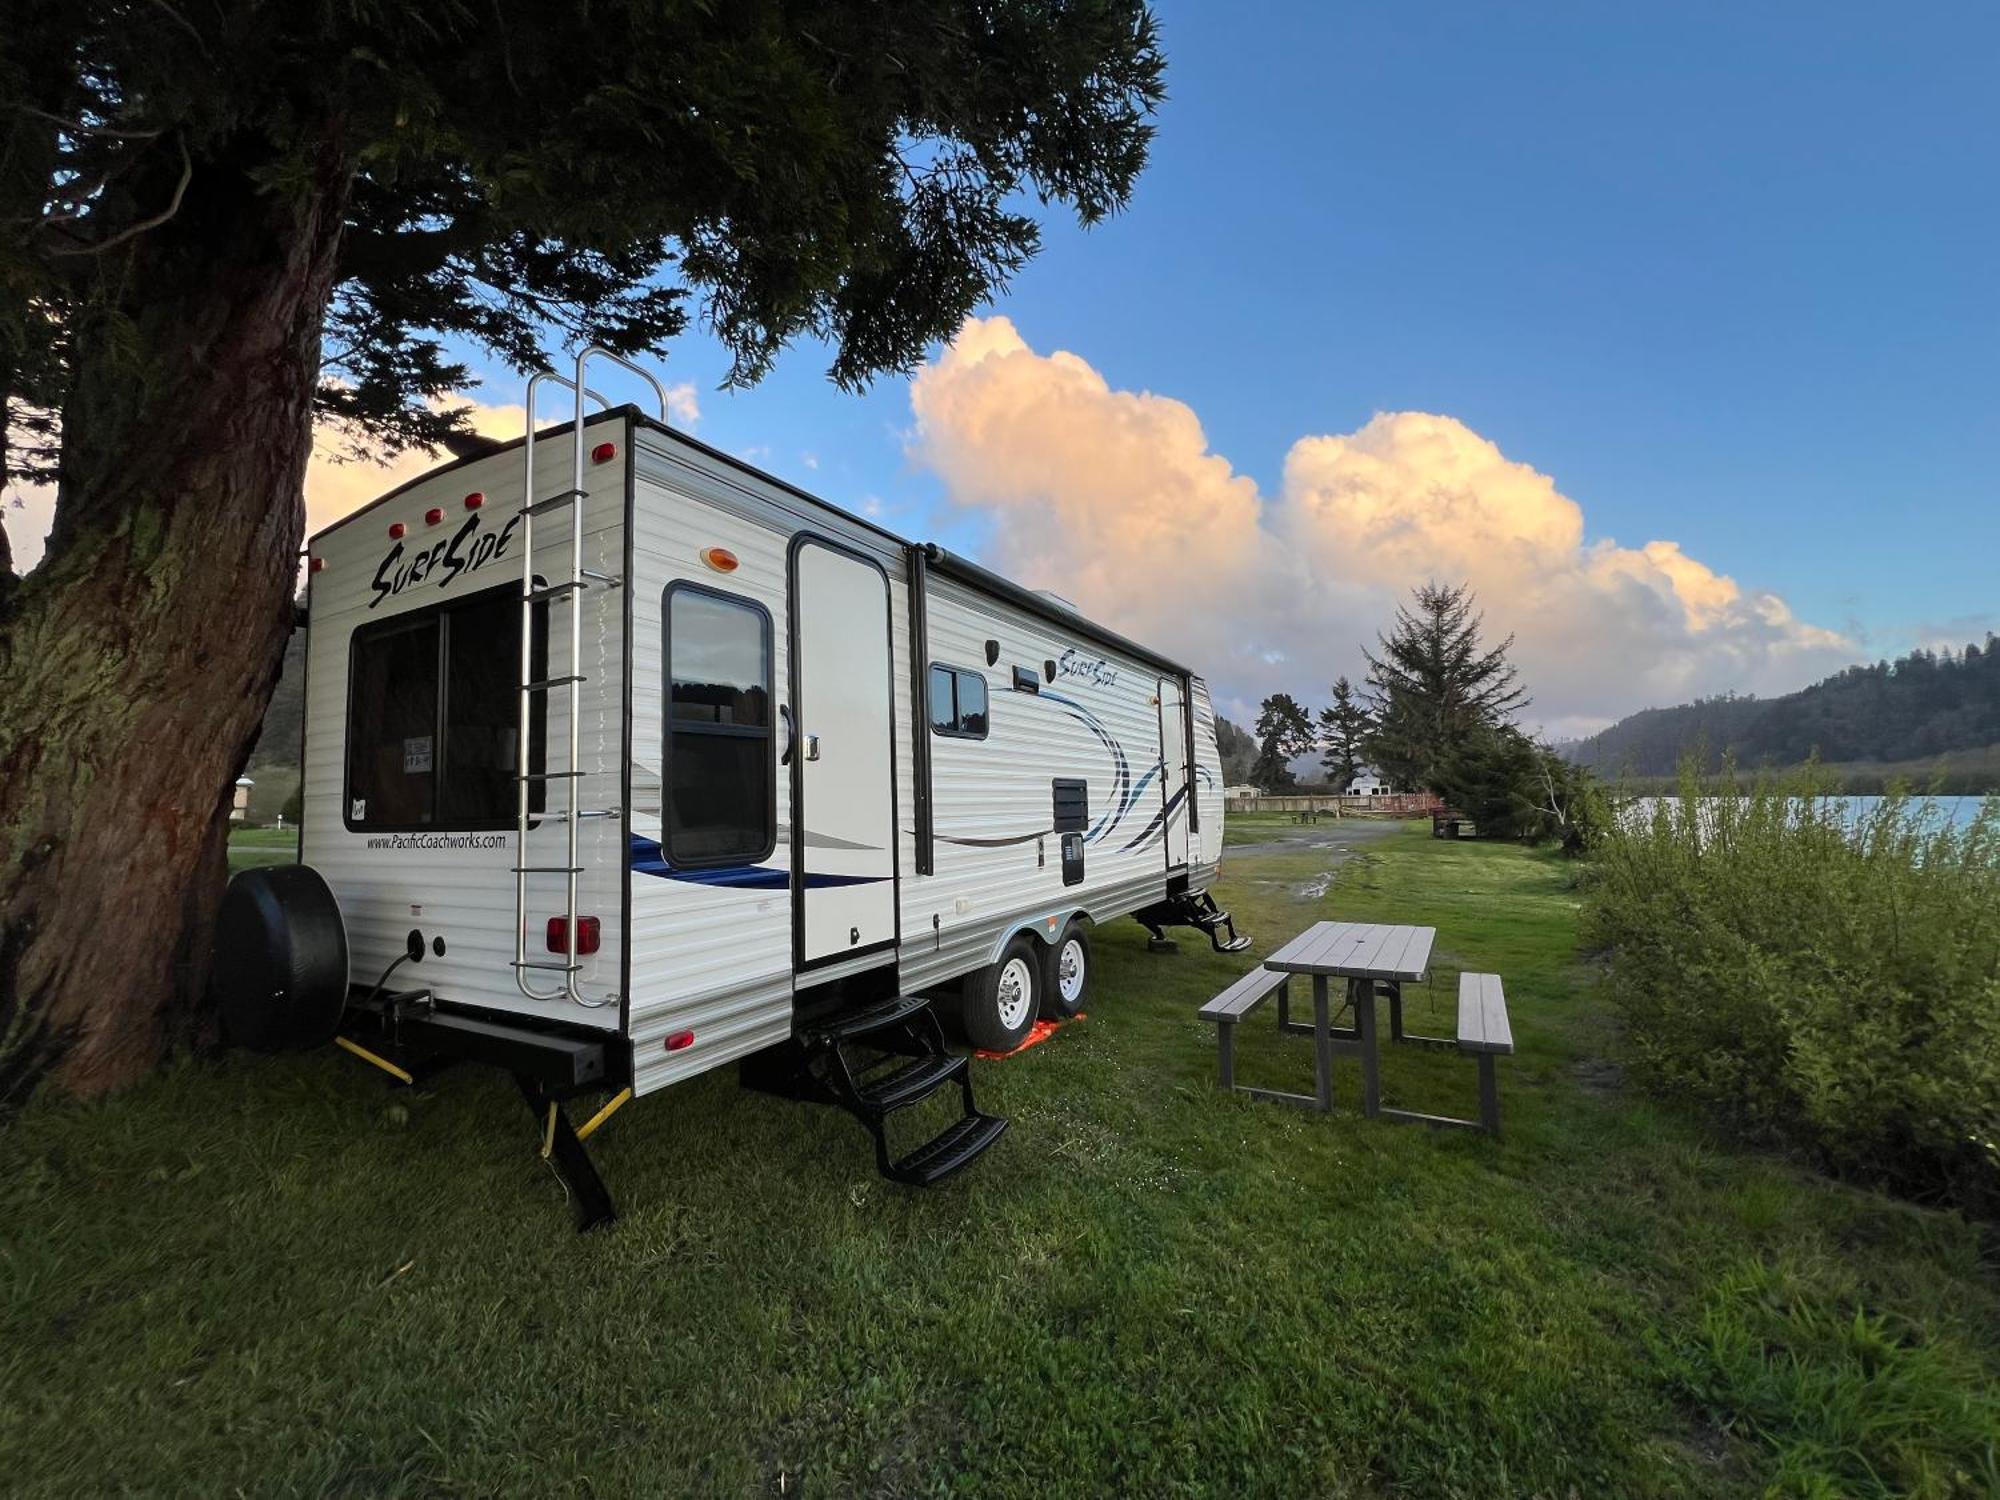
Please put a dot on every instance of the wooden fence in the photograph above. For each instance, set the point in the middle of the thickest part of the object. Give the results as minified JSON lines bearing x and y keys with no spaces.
{"x":1385,"y":805}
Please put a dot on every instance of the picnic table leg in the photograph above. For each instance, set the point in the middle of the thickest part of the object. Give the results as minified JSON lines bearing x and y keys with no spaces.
{"x":1394,"y":990}
{"x":1225,"y":1056}
{"x":1322,"y":1045}
{"x":1371,"y":1061}
{"x":1489,"y":1095}
{"x":1284,"y":1005}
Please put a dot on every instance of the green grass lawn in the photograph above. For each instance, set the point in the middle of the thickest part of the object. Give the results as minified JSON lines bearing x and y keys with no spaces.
{"x":262,"y":846}
{"x":279,"y":1276}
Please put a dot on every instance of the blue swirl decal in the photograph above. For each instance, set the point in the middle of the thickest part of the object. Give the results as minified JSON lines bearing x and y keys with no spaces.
{"x":649,"y":859}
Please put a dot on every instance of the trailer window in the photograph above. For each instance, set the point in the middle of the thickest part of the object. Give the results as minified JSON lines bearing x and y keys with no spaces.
{"x":433,"y":711}
{"x":720,"y":775}
{"x":958,"y":702}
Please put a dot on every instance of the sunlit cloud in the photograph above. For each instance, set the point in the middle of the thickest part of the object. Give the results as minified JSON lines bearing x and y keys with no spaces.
{"x":1114,"y":499}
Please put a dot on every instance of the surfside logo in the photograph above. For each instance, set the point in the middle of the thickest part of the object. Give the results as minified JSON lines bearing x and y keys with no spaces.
{"x":1092,"y":669}
{"x":466,"y":550}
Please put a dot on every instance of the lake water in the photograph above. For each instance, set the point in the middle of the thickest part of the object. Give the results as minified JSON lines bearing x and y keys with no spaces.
{"x":1957,"y":811}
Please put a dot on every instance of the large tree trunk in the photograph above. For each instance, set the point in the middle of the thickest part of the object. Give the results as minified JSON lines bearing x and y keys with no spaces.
{"x":136,"y":662}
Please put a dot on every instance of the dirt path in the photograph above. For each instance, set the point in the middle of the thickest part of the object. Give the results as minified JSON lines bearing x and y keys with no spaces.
{"x":1337,"y":834}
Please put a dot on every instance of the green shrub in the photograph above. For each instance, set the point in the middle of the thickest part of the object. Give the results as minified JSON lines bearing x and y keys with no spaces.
{"x":1816,"y":976}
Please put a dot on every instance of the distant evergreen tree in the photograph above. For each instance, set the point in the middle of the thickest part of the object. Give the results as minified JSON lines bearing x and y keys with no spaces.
{"x":1237,"y":750}
{"x":1344,"y":727}
{"x":1284,"y":732}
{"x":1434,"y":686}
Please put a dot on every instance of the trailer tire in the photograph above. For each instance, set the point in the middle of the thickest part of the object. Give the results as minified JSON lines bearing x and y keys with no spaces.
{"x":279,"y":981}
{"x":1066,"y":974}
{"x":997,"y":1006}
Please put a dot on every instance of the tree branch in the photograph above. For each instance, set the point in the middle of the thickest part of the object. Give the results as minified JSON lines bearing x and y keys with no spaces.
{"x":130,"y":230}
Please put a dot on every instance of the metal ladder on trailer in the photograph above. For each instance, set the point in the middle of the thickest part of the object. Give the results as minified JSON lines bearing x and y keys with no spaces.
{"x":572,"y":587}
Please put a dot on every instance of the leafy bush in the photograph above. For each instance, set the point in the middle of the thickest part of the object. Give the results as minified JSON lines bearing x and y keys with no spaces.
{"x":1814,"y":975}
{"x":1513,"y":788}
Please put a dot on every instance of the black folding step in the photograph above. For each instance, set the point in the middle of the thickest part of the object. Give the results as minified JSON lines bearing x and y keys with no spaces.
{"x":855,"y":1024}
{"x":910,"y":1083}
{"x":903,"y":1062}
{"x":956,"y":1148}
{"x":1190,"y":909}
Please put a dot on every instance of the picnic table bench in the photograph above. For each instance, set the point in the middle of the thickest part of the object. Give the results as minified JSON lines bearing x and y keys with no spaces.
{"x":1372,"y":959}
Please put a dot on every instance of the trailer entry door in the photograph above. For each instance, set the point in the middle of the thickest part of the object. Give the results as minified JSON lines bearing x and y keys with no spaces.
{"x":1174,"y":771}
{"x":844,"y":786}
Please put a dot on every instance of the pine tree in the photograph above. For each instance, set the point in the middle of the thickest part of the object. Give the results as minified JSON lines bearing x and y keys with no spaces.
{"x":1434,"y":686}
{"x":1344,"y":729}
{"x":1284,"y":732}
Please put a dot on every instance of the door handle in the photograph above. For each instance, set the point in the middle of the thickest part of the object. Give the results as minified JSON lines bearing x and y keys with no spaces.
{"x":812,"y":747}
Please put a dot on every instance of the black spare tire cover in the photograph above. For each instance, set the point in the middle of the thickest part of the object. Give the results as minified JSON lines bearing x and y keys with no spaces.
{"x":280,"y":974}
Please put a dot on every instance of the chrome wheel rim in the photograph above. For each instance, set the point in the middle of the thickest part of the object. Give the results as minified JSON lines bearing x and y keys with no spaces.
{"x":1017,"y":993}
{"x":1069,"y":972}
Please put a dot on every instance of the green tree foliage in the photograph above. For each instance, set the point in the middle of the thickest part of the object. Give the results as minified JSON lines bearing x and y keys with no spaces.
{"x":843,"y":170}
{"x":1237,"y":750}
{"x":1919,"y":707}
{"x":1434,"y":686}
{"x":1513,"y":788}
{"x":1284,"y":732}
{"x":1344,"y":729}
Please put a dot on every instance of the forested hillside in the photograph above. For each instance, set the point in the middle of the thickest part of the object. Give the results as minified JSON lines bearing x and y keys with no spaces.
{"x":1917,"y":708}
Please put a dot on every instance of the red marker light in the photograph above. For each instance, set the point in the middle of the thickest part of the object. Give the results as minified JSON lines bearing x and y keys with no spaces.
{"x":603,"y":453}
{"x":434,"y":515}
{"x":680,"y":1041}
{"x":316,"y":564}
{"x":474,"y":500}
{"x":719,"y":558}
{"x":589,"y":933}
{"x":396,"y":530}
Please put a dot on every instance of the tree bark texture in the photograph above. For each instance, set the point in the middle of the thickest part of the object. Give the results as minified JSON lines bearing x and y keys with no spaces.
{"x":137,"y":660}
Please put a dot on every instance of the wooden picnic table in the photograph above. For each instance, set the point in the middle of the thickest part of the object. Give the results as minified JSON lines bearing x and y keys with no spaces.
{"x":1366,"y":955}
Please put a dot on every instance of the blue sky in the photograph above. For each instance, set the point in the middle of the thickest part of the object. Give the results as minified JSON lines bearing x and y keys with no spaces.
{"x":1725,"y":275}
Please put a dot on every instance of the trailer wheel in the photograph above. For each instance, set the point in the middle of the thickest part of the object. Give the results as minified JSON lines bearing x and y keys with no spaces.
{"x":998,"y":1005}
{"x":1066,"y":974}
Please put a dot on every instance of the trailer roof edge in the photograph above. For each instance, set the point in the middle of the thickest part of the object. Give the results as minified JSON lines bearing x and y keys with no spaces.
{"x":945,"y":561}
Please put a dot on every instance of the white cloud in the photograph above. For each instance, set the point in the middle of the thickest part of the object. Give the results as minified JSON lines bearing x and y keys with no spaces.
{"x":1114,"y":499}
{"x":683,"y":410}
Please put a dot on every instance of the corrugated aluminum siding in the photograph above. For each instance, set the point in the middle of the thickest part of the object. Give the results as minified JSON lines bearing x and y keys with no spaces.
{"x":711,"y":959}
{"x":998,"y":862}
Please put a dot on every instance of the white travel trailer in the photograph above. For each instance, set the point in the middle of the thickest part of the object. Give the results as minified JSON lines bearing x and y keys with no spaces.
{"x":643,"y":762}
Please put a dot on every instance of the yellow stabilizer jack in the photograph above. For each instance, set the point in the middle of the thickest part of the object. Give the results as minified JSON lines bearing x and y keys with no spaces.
{"x":617,"y":1102}
{"x":369,"y":1057}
